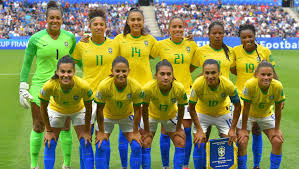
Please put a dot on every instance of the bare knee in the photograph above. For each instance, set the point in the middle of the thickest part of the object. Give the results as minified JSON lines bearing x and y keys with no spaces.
{"x":38,"y":125}
{"x":147,"y":142}
{"x":276,"y":142}
{"x":187,"y":123}
{"x":179,"y":142}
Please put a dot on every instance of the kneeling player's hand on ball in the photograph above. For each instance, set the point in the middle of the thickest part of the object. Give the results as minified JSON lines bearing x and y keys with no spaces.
{"x":25,"y":96}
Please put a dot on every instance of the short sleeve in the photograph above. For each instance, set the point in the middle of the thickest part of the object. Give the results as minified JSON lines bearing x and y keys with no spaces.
{"x":196,"y":58}
{"x":246,"y":93}
{"x":100,"y":96}
{"x":280,"y":97}
{"x":182,"y":97}
{"x":87,"y":94}
{"x":233,"y":58}
{"x":45,"y":92}
{"x":155,"y":51}
{"x":77,"y":56}
{"x":73,"y":44}
{"x":137,"y":96}
{"x":269,"y":56}
{"x":116,"y":42}
{"x":193,"y":95}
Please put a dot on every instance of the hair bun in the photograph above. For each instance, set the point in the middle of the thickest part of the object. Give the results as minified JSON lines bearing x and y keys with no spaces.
{"x":52,"y":4}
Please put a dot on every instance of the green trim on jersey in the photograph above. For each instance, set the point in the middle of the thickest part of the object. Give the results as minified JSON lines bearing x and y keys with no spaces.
{"x":177,"y":43}
{"x":192,"y":102}
{"x":43,"y":99}
{"x":263,"y":91}
{"x":249,"y":101}
{"x":164,"y":94}
{"x":99,"y":102}
{"x":121,"y":89}
{"x":100,"y":43}
{"x":66,"y":92}
{"x":217,"y":50}
{"x":135,"y":37}
{"x":280,"y":101}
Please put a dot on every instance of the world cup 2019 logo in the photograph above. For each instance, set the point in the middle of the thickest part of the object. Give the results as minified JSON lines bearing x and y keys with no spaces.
{"x":221,"y":151}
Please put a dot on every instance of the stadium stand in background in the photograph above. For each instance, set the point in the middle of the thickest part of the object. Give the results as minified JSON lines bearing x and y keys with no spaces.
{"x":20,"y":19}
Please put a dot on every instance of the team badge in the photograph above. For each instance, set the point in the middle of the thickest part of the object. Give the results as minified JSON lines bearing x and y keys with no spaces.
{"x":221,"y":151}
{"x":146,"y":43}
{"x":245,"y":91}
{"x":76,"y":97}
{"x":43,"y":92}
{"x":173,"y":100}
{"x":223,"y":95}
{"x":99,"y":95}
{"x":188,"y":49}
{"x":271,"y":97}
{"x":110,"y":50}
{"x":66,"y":44}
{"x":129,"y":96}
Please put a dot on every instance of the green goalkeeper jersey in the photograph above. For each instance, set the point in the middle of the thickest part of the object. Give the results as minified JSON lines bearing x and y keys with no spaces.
{"x":47,"y":52}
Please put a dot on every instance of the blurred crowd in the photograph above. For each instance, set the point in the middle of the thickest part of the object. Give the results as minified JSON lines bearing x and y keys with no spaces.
{"x":19,"y":19}
{"x":269,"y":21}
{"x":24,"y":19}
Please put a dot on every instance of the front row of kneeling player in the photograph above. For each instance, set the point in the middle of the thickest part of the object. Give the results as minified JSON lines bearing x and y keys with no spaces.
{"x":121,"y":100}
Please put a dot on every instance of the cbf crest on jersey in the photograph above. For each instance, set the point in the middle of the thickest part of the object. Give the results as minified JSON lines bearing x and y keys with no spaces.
{"x":188,"y":49}
{"x":271,"y":97}
{"x":110,"y":50}
{"x":146,"y":43}
{"x":66,"y":43}
{"x":223,"y":94}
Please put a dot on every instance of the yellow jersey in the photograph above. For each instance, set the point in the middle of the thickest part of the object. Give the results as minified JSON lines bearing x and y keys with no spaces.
{"x":118,"y":103}
{"x":137,"y":51}
{"x":246,"y":63}
{"x":66,"y":102}
{"x":261,"y":102}
{"x":164,"y":106}
{"x":212,"y":102}
{"x":207,"y":52}
{"x":96,"y":59}
{"x":180,"y":55}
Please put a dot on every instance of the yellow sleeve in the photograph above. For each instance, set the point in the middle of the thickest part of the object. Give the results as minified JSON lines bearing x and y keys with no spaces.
{"x":146,"y":94}
{"x":46,"y":92}
{"x":233,"y":58}
{"x":76,"y":55}
{"x":193,"y":96}
{"x":116,"y":43}
{"x":87,"y":93}
{"x":155,"y":51}
{"x":182,"y":99}
{"x":280,"y":97}
{"x":269,"y":56}
{"x":247,"y":93}
{"x":100,"y":97}
{"x":196,"y":58}
{"x":137,"y":95}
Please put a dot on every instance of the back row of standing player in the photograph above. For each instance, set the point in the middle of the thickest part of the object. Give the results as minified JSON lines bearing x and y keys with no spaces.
{"x":138,"y":47}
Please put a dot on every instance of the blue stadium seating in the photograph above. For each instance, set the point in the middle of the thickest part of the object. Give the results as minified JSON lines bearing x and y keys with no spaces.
{"x":239,"y":2}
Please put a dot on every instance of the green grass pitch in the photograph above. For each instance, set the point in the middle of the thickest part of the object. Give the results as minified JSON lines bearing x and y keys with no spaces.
{"x":16,"y":122}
